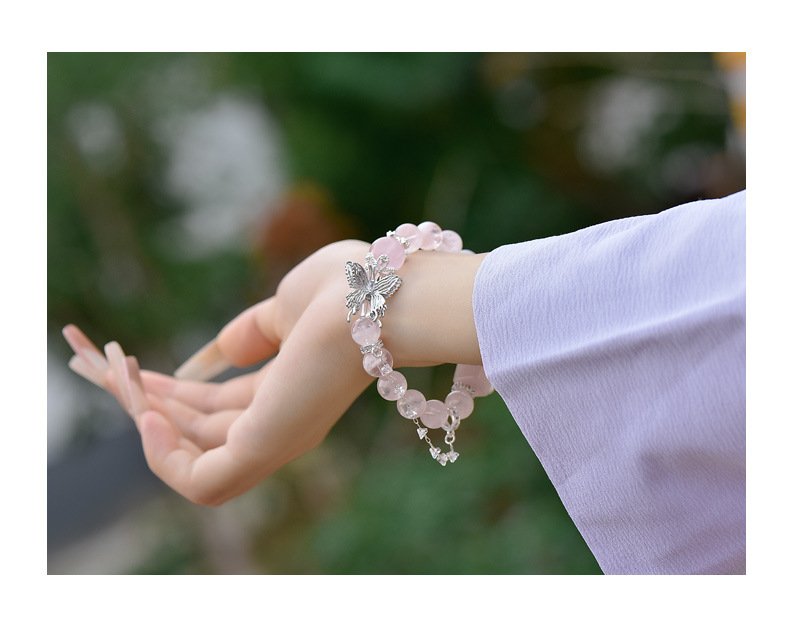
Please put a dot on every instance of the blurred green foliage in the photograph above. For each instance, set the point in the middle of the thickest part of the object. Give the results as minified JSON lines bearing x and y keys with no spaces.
{"x":500,"y":147}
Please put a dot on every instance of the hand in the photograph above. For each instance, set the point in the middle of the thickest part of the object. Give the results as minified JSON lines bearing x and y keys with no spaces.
{"x":211,"y":442}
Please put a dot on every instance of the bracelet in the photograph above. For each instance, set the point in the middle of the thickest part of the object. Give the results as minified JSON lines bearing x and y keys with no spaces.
{"x":371,"y":285}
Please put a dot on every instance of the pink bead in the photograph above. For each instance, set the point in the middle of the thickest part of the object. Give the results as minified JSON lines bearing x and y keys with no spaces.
{"x":411,"y":404}
{"x":377,"y":366}
{"x":412,"y":233}
{"x":460,"y":402}
{"x":451,"y":241}
{"x":392,"y":386}
{"x":475,"y":378}
{"x":431,"y":235}
{"x":365,"y":332}
{"x":391,"y":247}
{"x":434,"y":414}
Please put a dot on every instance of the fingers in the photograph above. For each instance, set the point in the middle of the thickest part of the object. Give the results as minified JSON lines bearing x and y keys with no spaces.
{"x":204,"y":477}
{"x":120,"y":370}
{"x":93,"y":365}
{"x":137,"y":395}
{"x":205,"y":430}
{"x":184,"y":450}
{"x":206,"y":397}
{"x":83,"y":347}
{"x":312,"y":382}
{"x":297,"y":403}
{"x":208,"y":362}
{"x":114,"y":372}
{"x":86,"y":371}
{"x":201,"y":411}
{"x":249,"y":338}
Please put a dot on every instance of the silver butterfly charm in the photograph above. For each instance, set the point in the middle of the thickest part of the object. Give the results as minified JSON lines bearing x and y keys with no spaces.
{"x":371,"y":286}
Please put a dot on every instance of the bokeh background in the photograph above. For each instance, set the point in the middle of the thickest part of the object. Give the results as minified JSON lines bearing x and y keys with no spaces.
{"x":181,"y":187}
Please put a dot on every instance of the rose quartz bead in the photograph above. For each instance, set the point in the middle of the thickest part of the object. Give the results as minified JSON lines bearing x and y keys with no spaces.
{"x":365,"y":332}
{"x":451,"y":241}
{"x":431,"y":235}
{"x":392,"y":386}
{"x":377,"y":366}
{"x":412,"y":233}
{"x":460,"y":402}
{"x":392,"y":248}
{"x":411,"y":404}
{"x":475,"y":378}
{"x":434,"y":414}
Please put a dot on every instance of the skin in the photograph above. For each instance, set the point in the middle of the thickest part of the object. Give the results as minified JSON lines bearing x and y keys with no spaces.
{"x":211,"y":442}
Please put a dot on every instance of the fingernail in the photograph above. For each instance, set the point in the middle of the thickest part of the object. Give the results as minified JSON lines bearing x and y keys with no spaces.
{"x":97,"y":360}
{"x":83,"y":347}
{"x":78,"y":365}
{"x":117,"y":361}
{"x":208,"y":362}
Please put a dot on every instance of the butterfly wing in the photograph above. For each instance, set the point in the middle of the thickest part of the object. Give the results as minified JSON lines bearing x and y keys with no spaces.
{"x":354,"y":299}
{"x":356,"y":275}
{"x":383,"y":288}
{"x":357,"y":279}
{"x":387,"y":285}
{"x":377,"y":306}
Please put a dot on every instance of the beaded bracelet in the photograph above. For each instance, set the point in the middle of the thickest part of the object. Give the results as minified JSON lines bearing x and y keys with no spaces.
{"x":371,"y":285}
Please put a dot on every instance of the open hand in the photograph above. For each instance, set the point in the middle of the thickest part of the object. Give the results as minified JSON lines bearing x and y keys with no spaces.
{"x":211,"y":442}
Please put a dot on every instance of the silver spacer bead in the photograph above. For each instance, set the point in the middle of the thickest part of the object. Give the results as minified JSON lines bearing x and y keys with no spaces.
{"x":457,"y":385}
{"x":402,"y":240}
{"x":373,"y":349}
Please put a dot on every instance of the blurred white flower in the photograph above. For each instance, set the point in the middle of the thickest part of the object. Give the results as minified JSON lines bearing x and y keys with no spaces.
{"x":225,"y":165}
{"x":623,"y":114}
{"x":98,"y":135}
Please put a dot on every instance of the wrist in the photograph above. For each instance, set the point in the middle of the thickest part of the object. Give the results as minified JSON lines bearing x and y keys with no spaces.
{"x":430,"y":320}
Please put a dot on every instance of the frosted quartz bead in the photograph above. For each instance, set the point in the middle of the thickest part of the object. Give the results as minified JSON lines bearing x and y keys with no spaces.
{"x":435,"y":414}
{"x":475,"y":378}
{"x":377,"y":366}
{"x":451,"y":241}
{"x":411,"y":404}
{"x":392,"y":248}
{"x":392,"y":386}
{"x":460,"y":402}
{"x":431,"y":235}
{"x":412,"y":233}
{"x":365,"y":332}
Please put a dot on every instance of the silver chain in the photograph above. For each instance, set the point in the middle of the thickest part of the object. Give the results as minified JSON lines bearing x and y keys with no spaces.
{"x":442,"y":457}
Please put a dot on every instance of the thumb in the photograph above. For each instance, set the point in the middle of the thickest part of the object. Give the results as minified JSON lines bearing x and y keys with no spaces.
{"x":247,"y":339}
